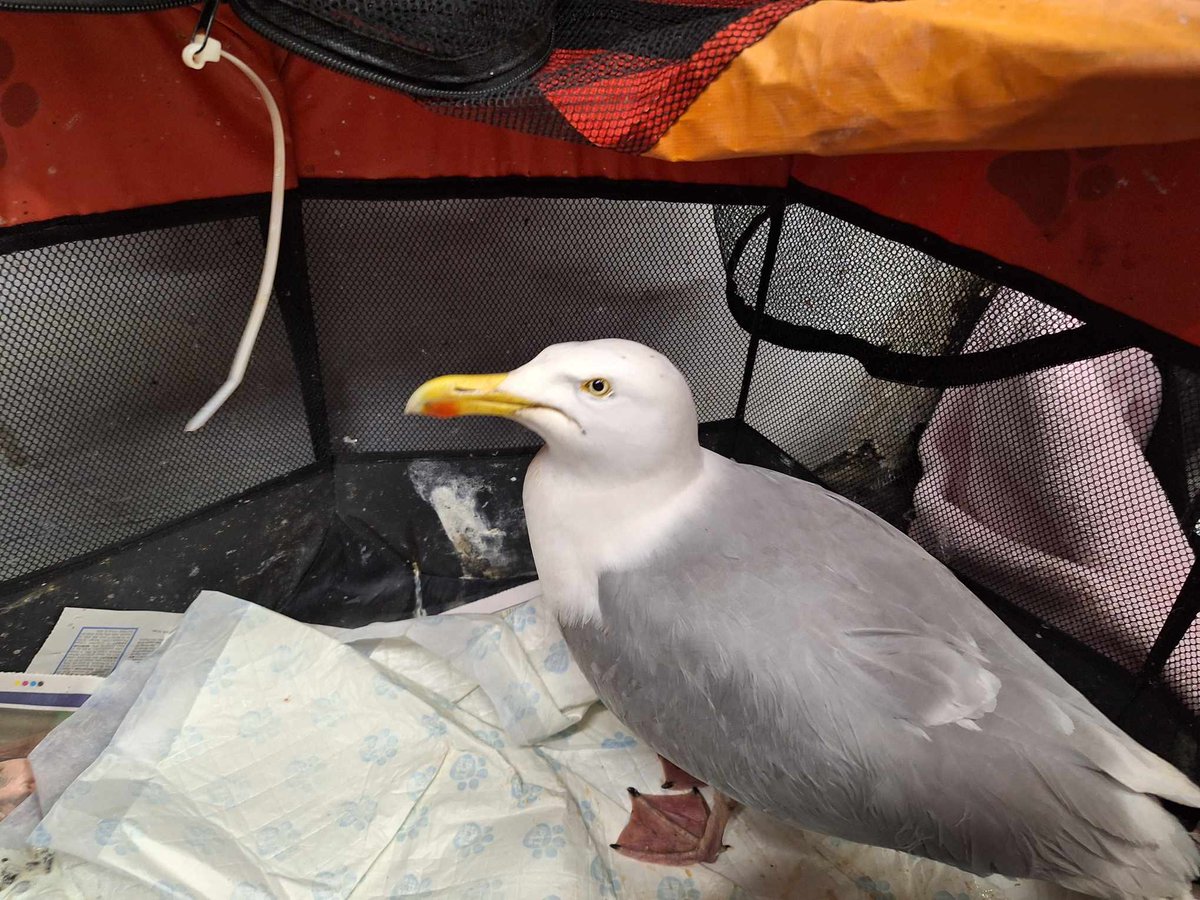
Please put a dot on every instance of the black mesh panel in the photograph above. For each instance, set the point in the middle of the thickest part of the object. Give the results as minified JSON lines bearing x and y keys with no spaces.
{"x":422,"y":46}
{"x":856,"y":433}
{"x":404,"y":291}
{"x":1042,"y":457}
{"x":106,"y":349}
{"x":833,"y":276}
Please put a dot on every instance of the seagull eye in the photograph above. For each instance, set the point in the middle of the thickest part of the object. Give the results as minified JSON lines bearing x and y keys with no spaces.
{"x":598,"y":387}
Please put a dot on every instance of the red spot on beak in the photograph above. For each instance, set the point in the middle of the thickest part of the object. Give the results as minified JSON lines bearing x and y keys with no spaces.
{"x":441,"y":409}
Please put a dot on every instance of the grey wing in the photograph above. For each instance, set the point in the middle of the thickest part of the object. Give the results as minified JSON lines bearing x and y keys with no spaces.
{"x":806,"y":658}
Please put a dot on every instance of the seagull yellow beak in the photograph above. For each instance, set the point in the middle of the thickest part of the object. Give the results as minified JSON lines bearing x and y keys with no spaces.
{"x":465,"y":395}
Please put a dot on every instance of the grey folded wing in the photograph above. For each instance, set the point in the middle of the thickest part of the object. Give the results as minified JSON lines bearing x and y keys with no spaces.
{"x":800,"y":654}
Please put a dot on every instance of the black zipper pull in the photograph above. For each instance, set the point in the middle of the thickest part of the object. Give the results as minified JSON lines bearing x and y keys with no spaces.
{"x":204,"y":26}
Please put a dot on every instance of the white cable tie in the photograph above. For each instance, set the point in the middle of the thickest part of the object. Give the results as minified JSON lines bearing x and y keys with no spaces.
{"x":196,"y":55}
{"x":201,"y":51}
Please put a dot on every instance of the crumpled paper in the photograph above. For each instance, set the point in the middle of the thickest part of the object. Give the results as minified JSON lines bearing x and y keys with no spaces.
{"x":451,"y":757}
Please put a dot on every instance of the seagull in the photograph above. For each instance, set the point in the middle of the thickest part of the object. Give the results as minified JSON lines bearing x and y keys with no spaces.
{"x":781,"y":644}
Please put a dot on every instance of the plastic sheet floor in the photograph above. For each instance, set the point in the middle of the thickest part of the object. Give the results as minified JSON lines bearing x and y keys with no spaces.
{"x":452,"y":756}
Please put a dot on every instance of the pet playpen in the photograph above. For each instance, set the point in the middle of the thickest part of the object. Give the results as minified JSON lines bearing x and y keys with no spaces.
{"x":863,"y":231}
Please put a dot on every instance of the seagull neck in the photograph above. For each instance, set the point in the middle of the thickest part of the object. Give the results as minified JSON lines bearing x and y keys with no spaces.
{"x":656,"y":481}
{"x":586,"y":520}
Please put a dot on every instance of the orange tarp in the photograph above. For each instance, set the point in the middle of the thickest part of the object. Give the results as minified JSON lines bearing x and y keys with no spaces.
{"x":841,"y":77}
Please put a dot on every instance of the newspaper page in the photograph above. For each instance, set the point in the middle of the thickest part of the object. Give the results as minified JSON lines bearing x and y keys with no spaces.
{"x":30,"y":706}
{"x":94,"y":641}
{"x":84,"y":647}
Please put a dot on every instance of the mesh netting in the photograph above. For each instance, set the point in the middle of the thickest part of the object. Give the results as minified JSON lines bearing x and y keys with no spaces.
{"x":857,"y":434}
{"x":106,"y":348}
{"x":1183,"y":663}
{"x":1040,"y":486}
{"x":1177,"y":448}
{"x":828,"y":275}
{"x":438,"y":29}
{"x":404,"y":291}
{"x":1068,"y":486}
{"x":621,"y":73}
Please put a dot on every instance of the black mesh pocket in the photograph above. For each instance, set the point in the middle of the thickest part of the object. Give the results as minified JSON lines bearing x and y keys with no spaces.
{"x":430,"y":47}
{"x":823,"y":294}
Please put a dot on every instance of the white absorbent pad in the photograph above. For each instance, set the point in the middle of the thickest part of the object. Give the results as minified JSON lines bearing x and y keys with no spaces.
{"x":456,"y":756}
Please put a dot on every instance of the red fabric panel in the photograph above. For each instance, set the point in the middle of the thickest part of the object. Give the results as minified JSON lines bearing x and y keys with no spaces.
{"x":98,"y":113}
{"x":108,"y":117}
{"x":1117,"y":225}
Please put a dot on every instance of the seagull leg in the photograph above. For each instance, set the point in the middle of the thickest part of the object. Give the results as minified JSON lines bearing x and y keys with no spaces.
{"x":675,"y":829}
{"x":674,"y":778}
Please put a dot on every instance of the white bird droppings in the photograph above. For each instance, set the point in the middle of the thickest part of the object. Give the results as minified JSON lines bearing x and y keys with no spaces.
{"x":458,"y":501}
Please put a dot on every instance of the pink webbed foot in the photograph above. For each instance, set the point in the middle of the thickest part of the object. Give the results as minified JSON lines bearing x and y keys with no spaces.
{"x":675,"y":829}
